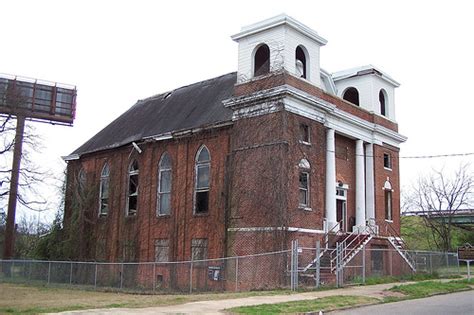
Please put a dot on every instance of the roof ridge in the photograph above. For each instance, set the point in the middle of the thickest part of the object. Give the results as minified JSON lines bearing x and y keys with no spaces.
{"x":160,"y":95}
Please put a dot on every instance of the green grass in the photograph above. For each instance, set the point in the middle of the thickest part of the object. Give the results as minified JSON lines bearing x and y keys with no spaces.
{"x":429,"y":288}
{"x":316,"y":305}
{"x":412,"y":277}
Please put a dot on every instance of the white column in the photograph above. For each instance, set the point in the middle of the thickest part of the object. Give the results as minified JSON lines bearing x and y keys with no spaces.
{"x":360,"y":186}
{"x":331,"y":217}
{"x":369,"y":181}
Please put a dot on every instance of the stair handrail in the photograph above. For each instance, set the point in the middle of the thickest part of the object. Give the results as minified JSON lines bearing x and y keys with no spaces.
{"x":393,"y":234}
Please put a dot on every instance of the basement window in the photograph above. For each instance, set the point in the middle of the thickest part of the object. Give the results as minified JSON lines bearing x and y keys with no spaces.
{"x":199,"y":249}
{"x":262,"y":60}
{"x":201,"y":191}
{"x":162,"y":249}
{"x":132,"y":200}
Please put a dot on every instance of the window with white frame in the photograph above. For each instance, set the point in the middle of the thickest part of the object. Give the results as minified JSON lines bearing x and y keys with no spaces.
{"x":132,"y":200}
{"x":304,"y":134}
{"x":387,"y":161}
{"x":388,"y":200}
{"x":104,"y":191}
{"x":304,"y":172}
{"x":164,"y":185}
{"x":201,"y":191}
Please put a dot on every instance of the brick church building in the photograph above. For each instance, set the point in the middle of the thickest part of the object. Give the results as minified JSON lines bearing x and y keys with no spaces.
{"x":246,"y":162}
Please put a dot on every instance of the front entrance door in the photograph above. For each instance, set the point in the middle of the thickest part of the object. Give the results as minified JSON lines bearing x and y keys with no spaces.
{"x":341,"y":209}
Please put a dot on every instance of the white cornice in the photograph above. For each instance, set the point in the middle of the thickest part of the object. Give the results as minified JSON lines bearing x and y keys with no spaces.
{"x":317,"y":109}
{"x":278,"y":20}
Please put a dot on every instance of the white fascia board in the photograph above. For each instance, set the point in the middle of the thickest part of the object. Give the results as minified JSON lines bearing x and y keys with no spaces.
{"x":277,"y":21}
{"x":271,"y":229}
{"x":353,"y":72}
{"x":71,"y":157}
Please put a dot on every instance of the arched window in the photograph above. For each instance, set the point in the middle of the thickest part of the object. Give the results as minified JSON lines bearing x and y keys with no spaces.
{"x":387,"y":188}
{"x":351,"y":95}
{"x":383,"y":102}
{"x":104,"y":191}
{"x":301,"y":64}
{"x":82,"y":180}
{"x":262,"y":60}
{"x":201,"y":191}
{"x":132,"y":195}
{"x":304,"y":172}
{"x":164,"y":185}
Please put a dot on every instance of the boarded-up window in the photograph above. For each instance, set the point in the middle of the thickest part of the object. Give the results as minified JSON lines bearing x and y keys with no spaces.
{"x":129,"y":251}
{"x":162,"y":249}
{"x":342,"y":152}
{"x":199,"y":248}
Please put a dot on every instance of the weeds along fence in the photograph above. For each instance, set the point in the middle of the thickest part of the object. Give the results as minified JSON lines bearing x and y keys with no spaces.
{"x":291,"y":269}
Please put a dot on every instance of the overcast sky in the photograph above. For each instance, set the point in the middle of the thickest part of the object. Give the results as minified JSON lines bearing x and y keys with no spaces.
{"x":117,"y":52}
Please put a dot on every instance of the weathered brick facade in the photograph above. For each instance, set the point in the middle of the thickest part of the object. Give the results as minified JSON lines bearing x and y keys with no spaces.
{"x":271,"y":165}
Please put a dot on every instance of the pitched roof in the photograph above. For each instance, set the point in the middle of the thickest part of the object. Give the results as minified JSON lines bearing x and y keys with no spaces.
{"x":188,"y":107}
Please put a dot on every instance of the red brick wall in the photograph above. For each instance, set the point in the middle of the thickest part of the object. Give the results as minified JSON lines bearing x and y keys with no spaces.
{"x":182,"y":225}
{"x":381,"y":174}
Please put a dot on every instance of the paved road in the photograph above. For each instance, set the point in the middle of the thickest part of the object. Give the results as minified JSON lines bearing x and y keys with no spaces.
{"x":454,"y":303}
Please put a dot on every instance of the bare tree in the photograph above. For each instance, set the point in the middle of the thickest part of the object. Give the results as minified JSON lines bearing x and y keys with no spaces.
{"x":438,"y":197}
{"x":31,"y":175}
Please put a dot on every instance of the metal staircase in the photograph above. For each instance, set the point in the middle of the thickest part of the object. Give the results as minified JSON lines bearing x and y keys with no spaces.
{"x":397,"y":242}
{"x":348,"y":249}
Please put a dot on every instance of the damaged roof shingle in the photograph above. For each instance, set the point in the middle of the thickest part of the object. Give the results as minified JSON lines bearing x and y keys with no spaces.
{"x":191,"y":106}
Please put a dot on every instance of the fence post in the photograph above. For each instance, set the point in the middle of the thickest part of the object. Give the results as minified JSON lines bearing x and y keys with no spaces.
{"x":95,"y":276}
{"x":49,"y":272}
{"x":191,"y":277}
{"x":431,"y":262}
{"x":154,"y":276}
{"x":12,"y":269}
{"x":296,"y":264}
{"x":121,"y":276}
{"x":337,"y":264}
{"x":236,"y":274}
{"x":292,"y":262}
{"x":363,"y":264}
{"x":390,"y":252}
{"x":70,"y":275}
{"x":318,"y":264}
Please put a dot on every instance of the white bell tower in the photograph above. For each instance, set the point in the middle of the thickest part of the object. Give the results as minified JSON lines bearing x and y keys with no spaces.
{"x":279,"y":43}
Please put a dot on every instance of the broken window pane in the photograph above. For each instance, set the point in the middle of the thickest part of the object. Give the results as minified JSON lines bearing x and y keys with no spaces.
{"x":202,"y":201}
{"x":201,"y":193}
{"x":133,"y":189}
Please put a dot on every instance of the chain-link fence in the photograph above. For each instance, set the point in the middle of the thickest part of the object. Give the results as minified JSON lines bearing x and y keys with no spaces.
{"x":333,"y":266}
{"x":243,"y":273}
{"x":298,"y":267}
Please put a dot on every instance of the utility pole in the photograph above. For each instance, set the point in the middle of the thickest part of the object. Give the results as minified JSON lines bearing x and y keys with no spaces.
{"x":8,"y":249}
